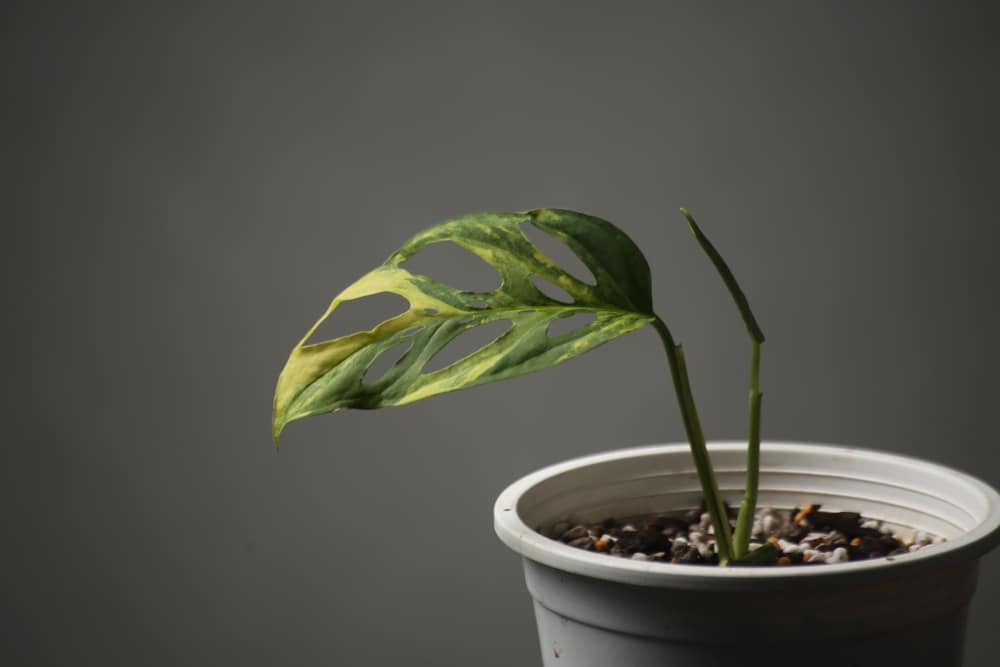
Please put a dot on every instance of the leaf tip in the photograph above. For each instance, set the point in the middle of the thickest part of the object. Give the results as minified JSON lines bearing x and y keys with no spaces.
{"x":692,"y":225}
{"x":727,"y":278}
{"x":277,"y":426}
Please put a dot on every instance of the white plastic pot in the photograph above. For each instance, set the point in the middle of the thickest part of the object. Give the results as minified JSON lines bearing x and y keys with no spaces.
{"x":594,"y":609}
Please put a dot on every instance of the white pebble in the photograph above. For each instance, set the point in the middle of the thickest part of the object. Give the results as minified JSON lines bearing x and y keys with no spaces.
{"x":812,"y":539}
{"x":771,"y":521}
{"x":914,"y":547}
{"x":838,"y":555}
{"x":870,"y":523}
{"x":638,"y":555}
{"x":573,"y":533}
{"x":789,"y":547}
{"x":812,"y":554}
{"x":753,"y":546}
{"x":629,"y":528}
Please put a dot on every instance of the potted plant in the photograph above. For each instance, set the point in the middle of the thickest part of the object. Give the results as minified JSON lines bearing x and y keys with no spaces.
{"x":786,"y":578}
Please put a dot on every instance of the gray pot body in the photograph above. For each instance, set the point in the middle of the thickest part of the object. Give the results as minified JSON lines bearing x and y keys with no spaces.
{"x":587,"y":622}
{"x":595,"y":610}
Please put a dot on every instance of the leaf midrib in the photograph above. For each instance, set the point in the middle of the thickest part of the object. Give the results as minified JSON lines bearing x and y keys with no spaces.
{"x":618,"y":312}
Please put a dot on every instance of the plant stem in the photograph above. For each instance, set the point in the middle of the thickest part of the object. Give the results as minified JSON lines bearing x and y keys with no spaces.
{"x":696,"y":439}
{"x":748,"y":507}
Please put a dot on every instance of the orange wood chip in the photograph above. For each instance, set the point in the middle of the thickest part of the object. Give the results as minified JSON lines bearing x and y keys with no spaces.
{"x":856,"y":541}
{"x":784,"y":560}
{"x":803,"y":513}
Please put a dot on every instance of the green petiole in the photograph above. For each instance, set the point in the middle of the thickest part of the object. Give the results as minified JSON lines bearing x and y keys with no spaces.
{"x":696,"y":439}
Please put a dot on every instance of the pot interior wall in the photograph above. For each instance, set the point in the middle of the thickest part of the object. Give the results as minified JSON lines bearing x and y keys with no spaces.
{"x":880,"y":486}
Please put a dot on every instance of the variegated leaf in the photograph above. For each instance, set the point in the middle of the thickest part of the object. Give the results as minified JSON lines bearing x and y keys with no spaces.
{"x":330,"y":375}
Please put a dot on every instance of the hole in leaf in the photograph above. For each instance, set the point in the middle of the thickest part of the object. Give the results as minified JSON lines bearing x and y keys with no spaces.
{"x":453,"y":265}
{"x":360,"y":315}
{"x":552,"y":290}
{"x":559,"y":253}
{"x":466,"y":343}
{"x":571,"y":323}
{"x":478,"y":303}
{"x":386,"y":360}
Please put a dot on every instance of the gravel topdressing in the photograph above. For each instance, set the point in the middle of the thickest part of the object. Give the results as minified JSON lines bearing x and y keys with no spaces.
{"x":803,"y":536}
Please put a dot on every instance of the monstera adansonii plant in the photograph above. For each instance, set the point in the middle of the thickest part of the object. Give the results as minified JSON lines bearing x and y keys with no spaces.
{"x":330,"y":375}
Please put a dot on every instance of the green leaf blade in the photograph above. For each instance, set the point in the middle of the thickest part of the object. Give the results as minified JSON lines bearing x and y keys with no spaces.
{"x":727,"y":278}
{"x":330,"y":375}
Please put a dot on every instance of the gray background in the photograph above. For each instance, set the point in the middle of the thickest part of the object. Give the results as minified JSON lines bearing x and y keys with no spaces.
{"x":187,"y":186}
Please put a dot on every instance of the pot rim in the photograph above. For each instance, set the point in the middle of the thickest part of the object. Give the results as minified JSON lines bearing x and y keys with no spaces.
{"x":534,"y":546}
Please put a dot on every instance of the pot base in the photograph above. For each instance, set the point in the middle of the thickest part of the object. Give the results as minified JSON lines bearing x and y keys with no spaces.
{"x":936,"y":642}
